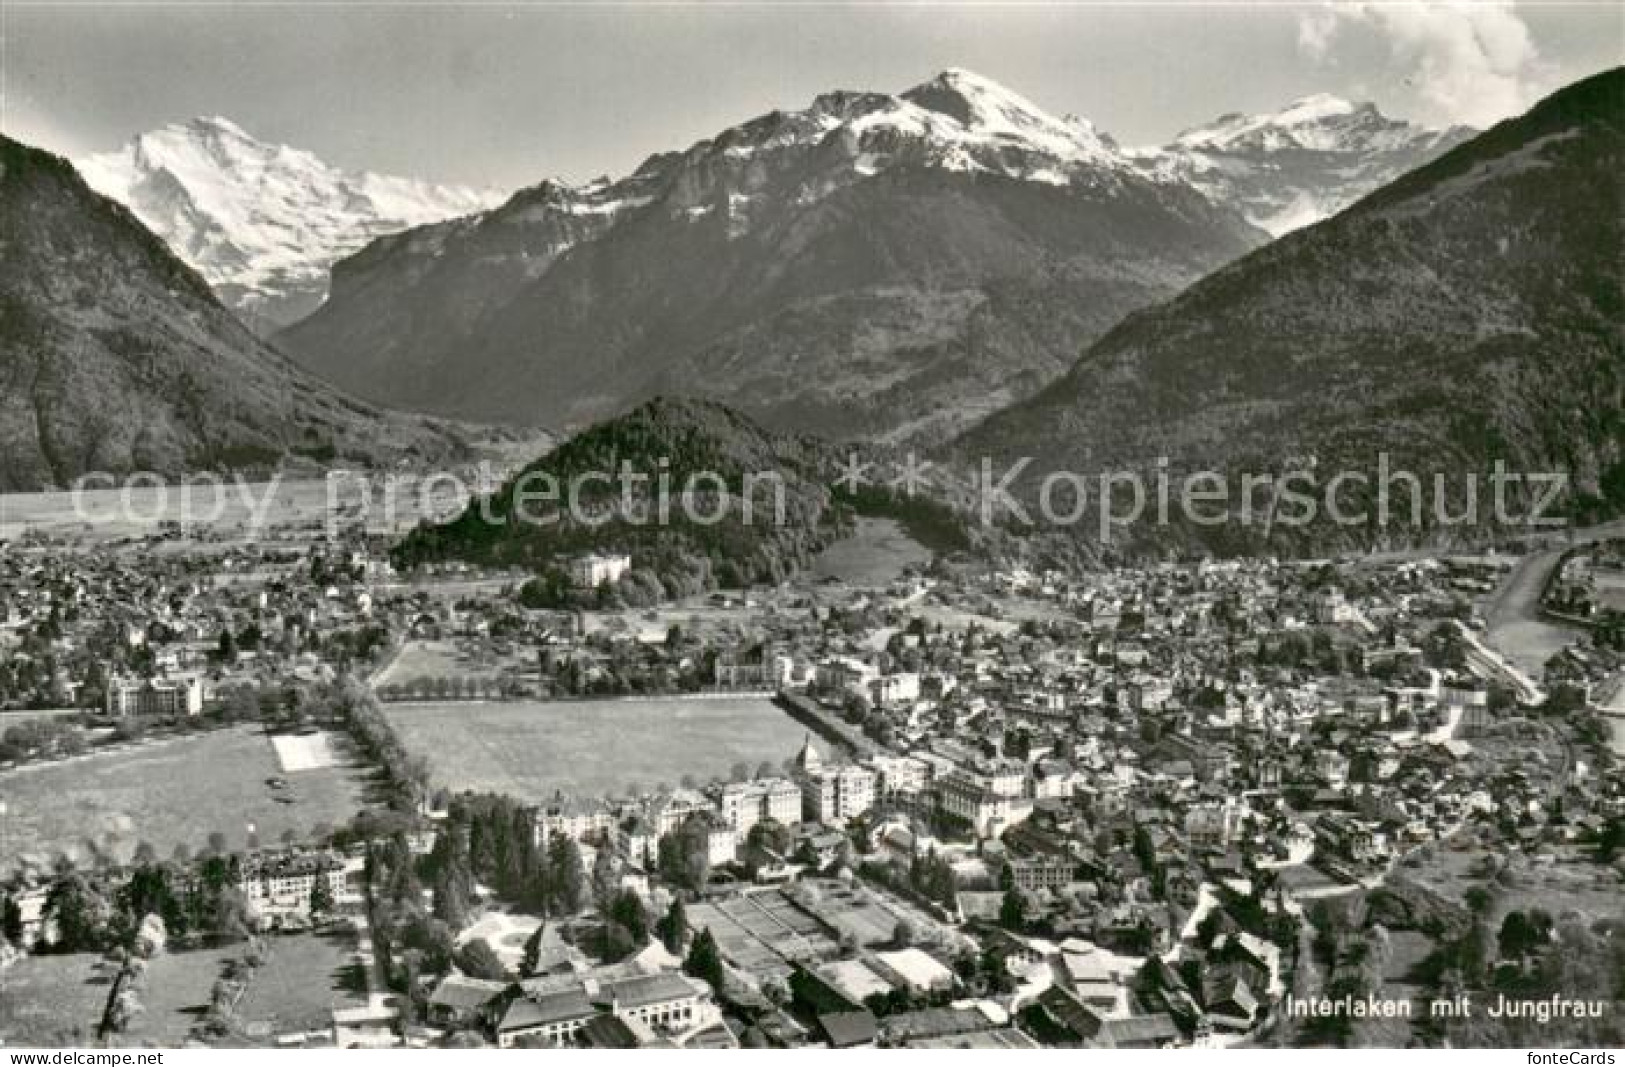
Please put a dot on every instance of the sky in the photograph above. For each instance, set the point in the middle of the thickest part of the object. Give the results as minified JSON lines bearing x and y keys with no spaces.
{"x":504,"y":95}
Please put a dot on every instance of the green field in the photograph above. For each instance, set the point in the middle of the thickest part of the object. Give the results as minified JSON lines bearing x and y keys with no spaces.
{"x":303,"y":979}
{"x":875,"y":555}
{"x":234,"y":507}
{"x":533,"y":750}
{"x":169,"y":792}
{"x":52,"y":1001}
{"x":419,"y":661}
{"x":175,"y":994}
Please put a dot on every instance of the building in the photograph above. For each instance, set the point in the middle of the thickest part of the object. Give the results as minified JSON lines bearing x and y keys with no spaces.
{"x":551,"y":1018}
{"x":1213,"y":824}
{"x":844,"y":674}
{"x":1344,"y":836}
{"x":1034,"y":873}
{"x":900,"y":778}
{"x":988,"y":812}
{"x":583,"y":820}
{"x":157,"y":696}
{"x":893,"y":689}
{"x":1006,"y":777}
{"x":668,"y":813}
{"x":592,"y":571}
{"x":837,"y":794}
{"x":1332,"y":607}
{"x":284,"y":883}
{"x":1471,"y":701}
{"x":662,"y":1001}
{"x":760,"y":668}
{"x":744,"y":804}
{"x":557,"y":1016}
{"x":721,"y":840}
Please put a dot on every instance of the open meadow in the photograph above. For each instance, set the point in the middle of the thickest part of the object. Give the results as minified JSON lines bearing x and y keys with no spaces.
{"x":304,"y":977}
{"x":533,"y":750}
{"x":175,"y":791}
{"x":232,"y":509}
{"x":876,"y":554}
{"x":52,"y":1001}
{"x":59,"y":999}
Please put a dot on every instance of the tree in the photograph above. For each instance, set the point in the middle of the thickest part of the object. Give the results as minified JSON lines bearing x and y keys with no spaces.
{"x":626,"y":910}
{"x":566,"y":874}
{"x":902,"y":934}
{"x":11,"y":922}
{"x":80,"y":914}
{"x":705,"y":960}
{"x":617,"y":942}
{"x":1473,"y":953}
{"x":122,"y":1006}
{"x":684,"y":857}
{"x":766,"y":842}
{"x":450,"y":899}
{"x":1611,"y":842}
{"x":477,"y":959}
{"x":321,"y":898}
{"x":1521,"y":934}
{"x":233,"y":915}
{"x":674,"y":927}
{"x":606,"y":876}
{"x":1013,"y":911}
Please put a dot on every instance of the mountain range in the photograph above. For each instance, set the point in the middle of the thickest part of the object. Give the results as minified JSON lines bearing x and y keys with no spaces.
{"x":1289,"y":168}
{"x":912,"y":268}
{"x":116,"y":356}
{"x":1467,"y":313}
{"x":262,"y":223}
{"x":893,"y":267}
{"x":888,"y":266}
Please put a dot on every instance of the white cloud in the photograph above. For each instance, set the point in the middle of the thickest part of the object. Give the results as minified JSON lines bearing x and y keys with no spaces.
{"x":1316,"y":28}
{"x":1471,"y":61}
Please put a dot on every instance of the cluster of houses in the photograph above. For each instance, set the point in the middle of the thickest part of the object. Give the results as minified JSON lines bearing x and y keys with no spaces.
{"x":1109,"y":766}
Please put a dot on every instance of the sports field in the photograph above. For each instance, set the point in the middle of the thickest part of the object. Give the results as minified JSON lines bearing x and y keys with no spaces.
{"x":174,"y":792}
{"x":589,"y":748}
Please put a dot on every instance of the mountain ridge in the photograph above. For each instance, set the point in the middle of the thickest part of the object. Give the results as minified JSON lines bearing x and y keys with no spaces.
{"x":872,"y":265}
{"x":1464,"y":314}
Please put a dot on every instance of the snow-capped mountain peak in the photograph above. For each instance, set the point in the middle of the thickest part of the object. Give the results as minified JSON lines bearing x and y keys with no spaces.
{"x":262,"y":222}
{"x":986,"y":109}
{"x":1296,"y":165}
{"x":957,"y":121}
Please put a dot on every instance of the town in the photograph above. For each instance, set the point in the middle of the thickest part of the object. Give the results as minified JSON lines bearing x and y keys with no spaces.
{"x":896,"y":800}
